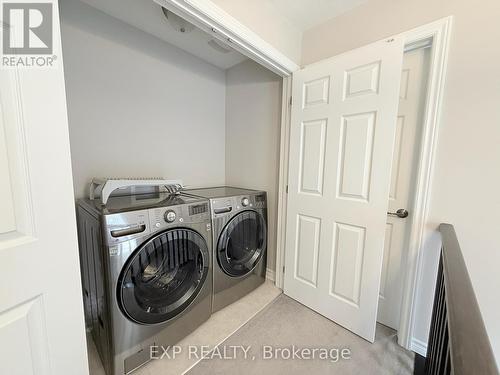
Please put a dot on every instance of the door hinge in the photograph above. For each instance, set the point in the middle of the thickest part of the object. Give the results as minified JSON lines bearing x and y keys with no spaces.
{"x":290,"y":101}
{"x":283,"y":270}
{"x":286,"y":189}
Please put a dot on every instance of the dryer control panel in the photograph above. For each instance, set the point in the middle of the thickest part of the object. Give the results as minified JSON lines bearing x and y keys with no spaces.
{"x":230,"y":205}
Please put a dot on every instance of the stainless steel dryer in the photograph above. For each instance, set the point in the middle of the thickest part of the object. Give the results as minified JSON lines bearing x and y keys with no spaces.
{"x":146,"y":272}
{"x":239,"y":222}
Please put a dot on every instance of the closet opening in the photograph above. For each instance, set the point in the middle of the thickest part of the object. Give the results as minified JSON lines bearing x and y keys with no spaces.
{"x":150,"y":94}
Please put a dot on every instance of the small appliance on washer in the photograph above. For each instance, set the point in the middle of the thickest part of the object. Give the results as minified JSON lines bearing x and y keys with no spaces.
{"x":146,"y":273}
{"x":239,"y":230}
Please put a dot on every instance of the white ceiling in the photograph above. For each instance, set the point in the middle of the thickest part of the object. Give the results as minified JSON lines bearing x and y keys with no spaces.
{"x":147,"y":16}
{"x":305,"y":14}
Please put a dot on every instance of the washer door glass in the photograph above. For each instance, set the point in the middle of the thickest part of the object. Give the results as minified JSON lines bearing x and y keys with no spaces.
{"x":242,"y":243}
{"x":163,"y":276}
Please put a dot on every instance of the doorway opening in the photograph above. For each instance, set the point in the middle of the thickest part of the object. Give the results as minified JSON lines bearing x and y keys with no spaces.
{"x":411,"y":322}
{"x":406,"y":156}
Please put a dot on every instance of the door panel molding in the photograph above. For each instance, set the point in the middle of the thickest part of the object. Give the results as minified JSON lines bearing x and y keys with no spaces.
{"x":16,"y":164}
{"x":316,"y":92}
{"x":353,"y":81}
{"x":312,"y":166}
{"x":23,"y":332}
{"x":397,"y":157}
{"x":344,"y":268}
{"x":351,"y":184}
{"x":385,"y":264}
{"x":311,"y":242}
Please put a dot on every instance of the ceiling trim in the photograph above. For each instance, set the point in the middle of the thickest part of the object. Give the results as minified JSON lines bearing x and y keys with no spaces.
{"x":210,"y":18}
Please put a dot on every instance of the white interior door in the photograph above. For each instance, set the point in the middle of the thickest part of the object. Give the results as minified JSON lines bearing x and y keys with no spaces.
{"x":343,"y":124}
{"x":404,"y":169}
{"x":41,"y":315}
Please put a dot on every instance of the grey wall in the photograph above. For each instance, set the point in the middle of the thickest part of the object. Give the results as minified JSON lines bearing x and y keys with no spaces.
{"x":466,"y":180}
{"x":138,"y":106}
{"x":253,"y":115}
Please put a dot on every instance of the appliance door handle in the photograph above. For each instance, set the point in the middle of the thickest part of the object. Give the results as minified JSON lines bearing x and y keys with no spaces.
{"x":128,"y":231}
{"x":223,"y":210}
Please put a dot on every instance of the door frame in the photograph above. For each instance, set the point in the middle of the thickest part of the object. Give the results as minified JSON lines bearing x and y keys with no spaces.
{"x":439,"y":33}
{"x":215,"y":21}
{"x":286,"y":110}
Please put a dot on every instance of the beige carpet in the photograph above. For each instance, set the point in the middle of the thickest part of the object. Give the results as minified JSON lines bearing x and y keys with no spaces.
{"x":286,"y":322}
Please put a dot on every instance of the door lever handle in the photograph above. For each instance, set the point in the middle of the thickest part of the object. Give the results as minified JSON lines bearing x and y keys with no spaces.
{"x":402,"y":213}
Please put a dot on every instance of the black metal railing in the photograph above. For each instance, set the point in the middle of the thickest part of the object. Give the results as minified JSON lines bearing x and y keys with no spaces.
{"x":458,"y":342}
{"x":438,"y":348}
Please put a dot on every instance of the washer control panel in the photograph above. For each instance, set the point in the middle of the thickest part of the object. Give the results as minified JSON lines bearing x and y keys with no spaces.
{"x":163,"y":217}
{"x":125,"y":226}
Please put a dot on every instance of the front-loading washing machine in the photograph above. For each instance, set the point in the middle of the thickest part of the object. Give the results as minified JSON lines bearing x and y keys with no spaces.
{"x":239,"y":230}
{"x":146,"y":273}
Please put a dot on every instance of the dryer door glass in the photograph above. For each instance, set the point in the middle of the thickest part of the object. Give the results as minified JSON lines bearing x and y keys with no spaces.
{"x":242,"y":243}
{"x":163,"y":276}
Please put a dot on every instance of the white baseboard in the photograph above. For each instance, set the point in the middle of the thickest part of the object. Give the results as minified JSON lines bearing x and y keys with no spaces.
{"x":418,"y":346}
{"x":270,"y":275}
